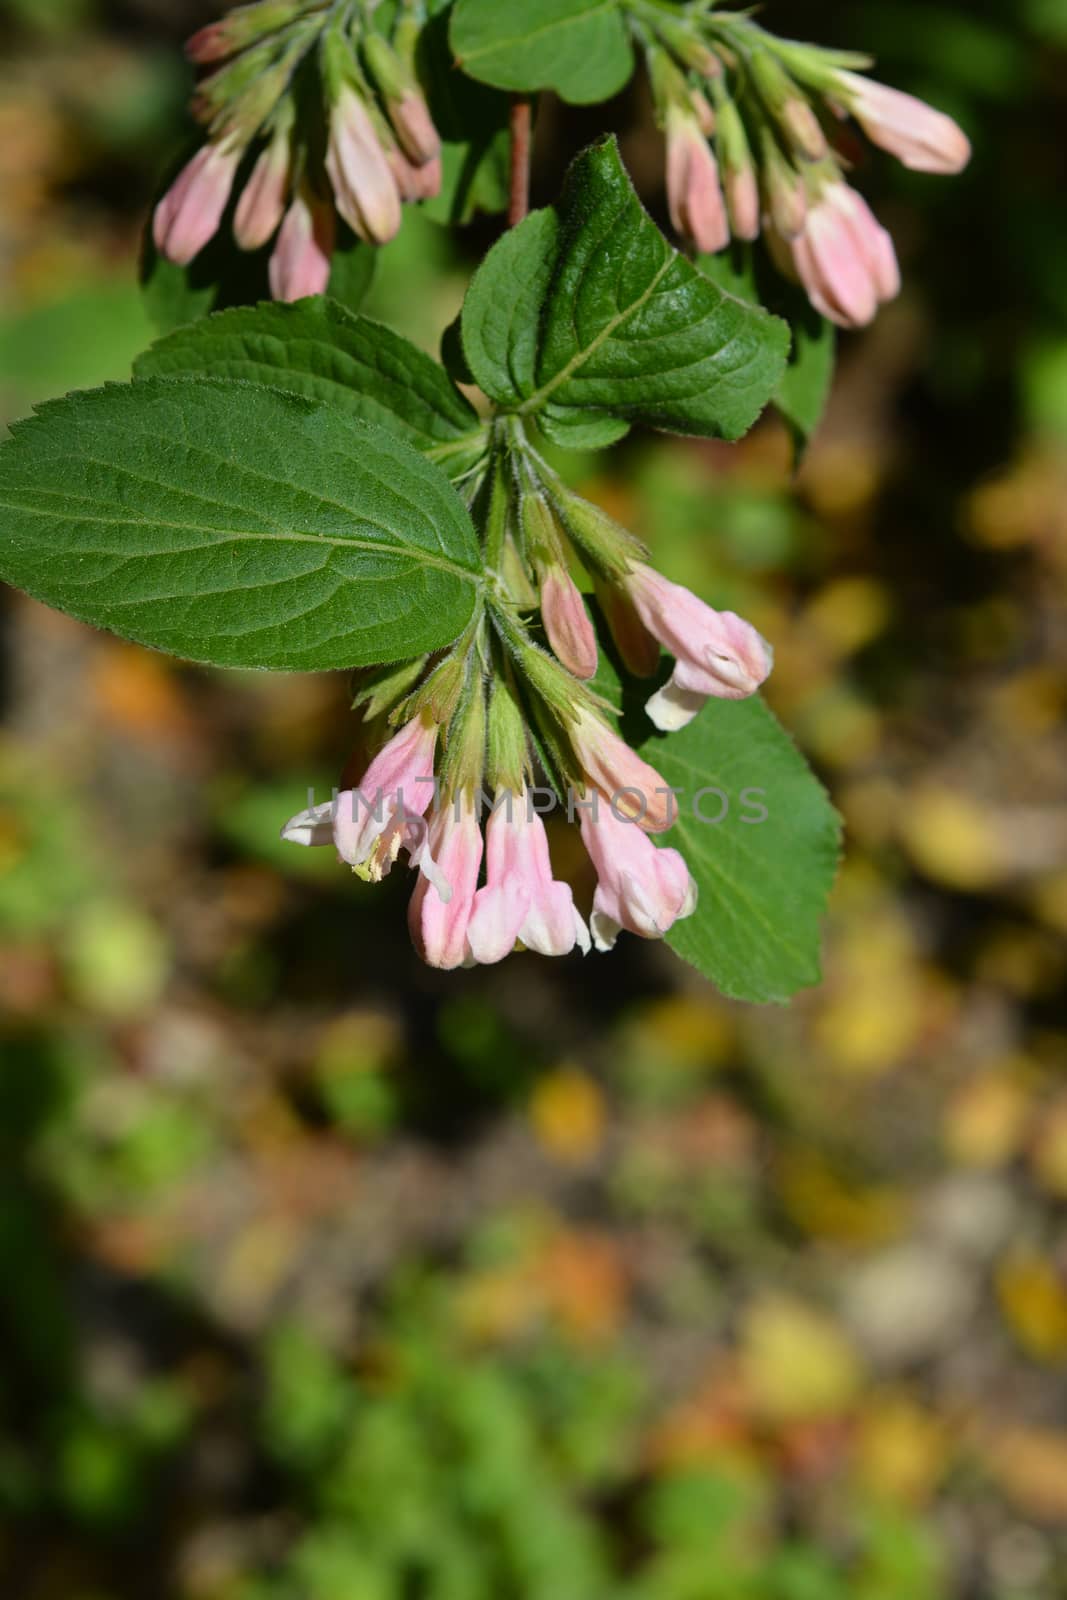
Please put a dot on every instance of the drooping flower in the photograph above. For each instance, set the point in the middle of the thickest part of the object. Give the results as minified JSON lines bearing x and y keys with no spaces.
{"x":640,"y":887}
{"x":188,"y":215}
{"x":922,"y":138}
{"x":521,"y":901}
{"x":438,"y":922}
{"x":300,"y":261}
{"x":716,"y":653}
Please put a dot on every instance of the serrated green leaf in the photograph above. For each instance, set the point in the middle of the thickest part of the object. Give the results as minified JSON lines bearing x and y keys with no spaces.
{"x":581,"y":49}
{"x":805,"y":385}
{"x":764,"y":879}
{"x":585,"y":313}
{"x":318,"y":349}
{"x":236,"y":525}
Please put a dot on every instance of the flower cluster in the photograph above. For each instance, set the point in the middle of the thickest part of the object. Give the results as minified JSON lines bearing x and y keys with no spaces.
{"x":361,"y":142}
{"x":756,"y":133}
{"x":502,"y":724}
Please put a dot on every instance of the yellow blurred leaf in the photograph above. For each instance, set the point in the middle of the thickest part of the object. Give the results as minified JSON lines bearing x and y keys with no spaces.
{"x":951,"y":839}
{"x":824,"y":1204}
{"x":848,"y":614}
{"x":902,"y":1450}
{"x":1030,"y":1465}
{"x":985,"y":1121}
{"x":567,"y":1113}
{"x":796,"y":1363}
{"x":1049,"y":1154}
{"x":1033,"y":1299}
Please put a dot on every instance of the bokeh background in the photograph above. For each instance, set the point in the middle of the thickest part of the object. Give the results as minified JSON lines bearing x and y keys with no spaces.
{"x":325,"y":1277}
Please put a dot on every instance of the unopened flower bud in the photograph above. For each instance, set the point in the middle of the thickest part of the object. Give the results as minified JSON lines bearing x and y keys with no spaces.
{"x":923,"y":139}
{"x":189,"y":213}
{"x":262,"y":203}
{"x":694,"y":192}
{"x":789,"y":107}
{"x":364,"y":188}
{"x":404,"y":102}
{"x":785,"y":189}
{"x":739,"y":172}
{"x":300,"y":262}
{"x":567,"y":624}
{"x":241,"y":28}
{"x":636,"y":790}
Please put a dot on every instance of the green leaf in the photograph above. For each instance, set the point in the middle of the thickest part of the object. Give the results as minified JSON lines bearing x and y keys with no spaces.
{"x":236,"y":525}
{"x":763,"y":883}
{"x":318,"y":349}
{"x":585,"y":313}
{"x":805,"y":386}
{"x":579,"y":48}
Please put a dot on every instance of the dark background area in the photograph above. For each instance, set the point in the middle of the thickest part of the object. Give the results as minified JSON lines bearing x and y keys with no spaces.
{"x":327,"y":1277}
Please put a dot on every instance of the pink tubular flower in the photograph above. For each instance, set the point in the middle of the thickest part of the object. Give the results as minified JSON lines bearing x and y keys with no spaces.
{"x":640,"y":652}
{"x":694,"y":192}
{"x":190,"y":212}
{"x":845,"y":258}
{"x":521,"y":901}
{"x":262,"y":204}
{"x":639,"y":887}
{"x":567,"y":624}
{"x":923,"y":139}
{"x":300,"y":262}
{"x":438,"y":922}
{"x":716,"y":652}
{"x":634,"y":788}
{"x":370,"y":825}
{"x":364,"y":188}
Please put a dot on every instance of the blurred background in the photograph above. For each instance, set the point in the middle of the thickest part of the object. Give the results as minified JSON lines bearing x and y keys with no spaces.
{"x":327,"y":1277}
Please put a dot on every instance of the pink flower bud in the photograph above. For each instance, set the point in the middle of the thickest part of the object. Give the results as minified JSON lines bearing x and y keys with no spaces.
{"x":634,"y":788}
{"x":521,"y":901}
{"x":190,"y":212}
{"x":438,"y":924}
{"x":567,"y":624}
{"x":364,"y":188}
{"x":213,"y":43}
{"x":799,"y":120}
{"x":640,"y":887}
{"x":716,"y":652}
{"x":743,"y":203}
{"x":923,"y":139}
{"x":694,"y":192}
{"x":413,"y":126}
{"x":873,"y":241}
{"x":262,"y":204}
{"x":300,"y":262}
{"x":787,"y":199}
{"x":414,"y":183}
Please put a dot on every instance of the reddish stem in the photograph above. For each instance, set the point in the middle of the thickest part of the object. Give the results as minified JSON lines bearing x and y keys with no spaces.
{"x":521,"y":124}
